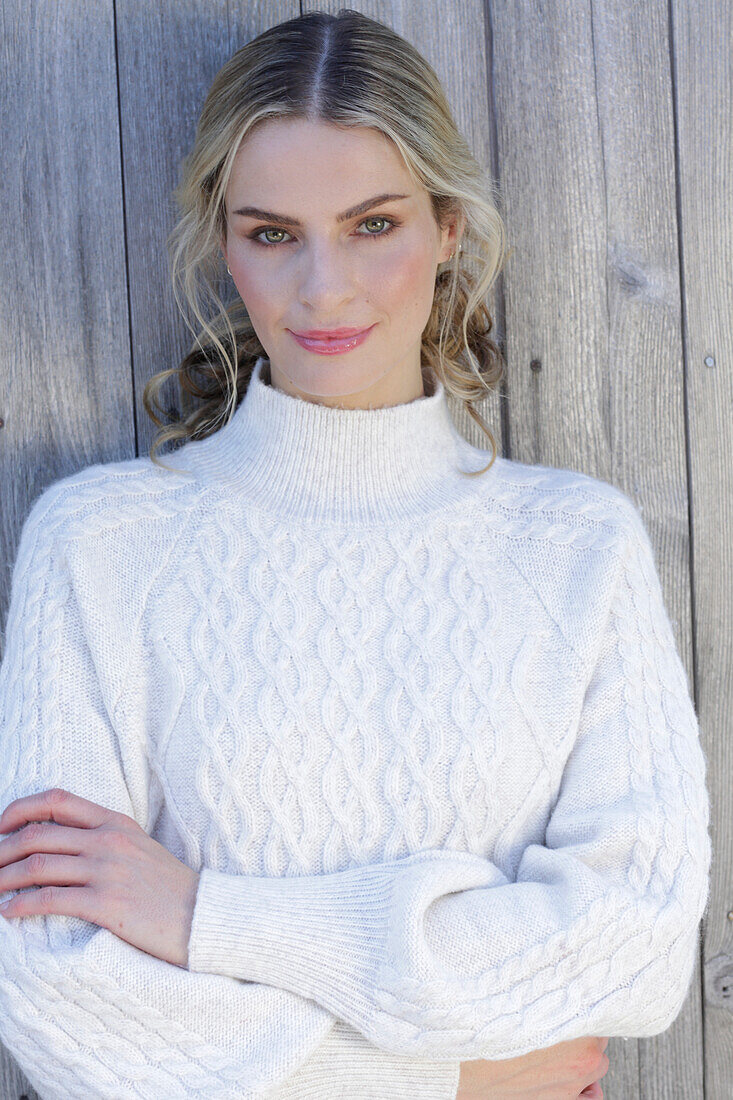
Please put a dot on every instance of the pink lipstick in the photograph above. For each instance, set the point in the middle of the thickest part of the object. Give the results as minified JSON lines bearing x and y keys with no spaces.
{"x":331,"y":342}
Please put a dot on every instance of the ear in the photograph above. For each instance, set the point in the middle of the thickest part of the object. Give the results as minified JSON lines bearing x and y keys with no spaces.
{"x":450,"y":239}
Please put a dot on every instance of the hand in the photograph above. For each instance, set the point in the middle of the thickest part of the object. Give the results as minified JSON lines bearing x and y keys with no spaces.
{"x":111,"y":872}
{"x":565,"y":1071}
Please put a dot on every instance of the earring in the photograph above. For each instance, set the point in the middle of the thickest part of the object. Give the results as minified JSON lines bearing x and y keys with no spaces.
{"x":228,"y":269}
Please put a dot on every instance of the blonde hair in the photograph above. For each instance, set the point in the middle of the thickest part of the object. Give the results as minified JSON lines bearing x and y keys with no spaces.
{"x":348,"y":70}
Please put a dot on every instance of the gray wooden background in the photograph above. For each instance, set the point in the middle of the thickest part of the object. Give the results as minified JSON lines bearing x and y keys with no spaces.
{"x":609,"y":126}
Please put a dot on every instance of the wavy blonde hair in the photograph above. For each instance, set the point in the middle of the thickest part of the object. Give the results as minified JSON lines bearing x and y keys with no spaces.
{"x":348,"y":70}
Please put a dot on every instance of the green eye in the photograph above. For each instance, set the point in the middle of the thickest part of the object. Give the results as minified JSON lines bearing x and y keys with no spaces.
{"x":392,"y":224}
{"x":272,"y":230}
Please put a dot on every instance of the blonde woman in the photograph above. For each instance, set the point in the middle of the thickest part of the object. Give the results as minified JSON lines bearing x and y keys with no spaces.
{"x":339,"y":756}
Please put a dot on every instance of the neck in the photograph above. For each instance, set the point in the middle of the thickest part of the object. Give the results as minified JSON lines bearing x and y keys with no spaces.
{"x":308,"y":461}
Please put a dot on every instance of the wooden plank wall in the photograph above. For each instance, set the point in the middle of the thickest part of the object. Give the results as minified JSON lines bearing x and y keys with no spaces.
{"x":609,"y":128}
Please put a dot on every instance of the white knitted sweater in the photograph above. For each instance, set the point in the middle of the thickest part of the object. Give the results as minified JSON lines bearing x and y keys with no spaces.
{"x":427,"y":738}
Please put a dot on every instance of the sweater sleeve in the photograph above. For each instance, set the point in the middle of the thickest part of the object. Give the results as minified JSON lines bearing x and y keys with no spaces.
{"x":83,"y":1012}
{"x":440,"y":954}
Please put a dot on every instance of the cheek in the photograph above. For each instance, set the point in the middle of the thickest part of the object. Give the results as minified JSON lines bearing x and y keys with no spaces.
{"x":408,"y":284}
{"x":258,"y":288}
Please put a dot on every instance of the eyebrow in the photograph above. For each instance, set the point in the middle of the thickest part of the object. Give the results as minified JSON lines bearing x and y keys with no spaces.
{"x":284,"y":219}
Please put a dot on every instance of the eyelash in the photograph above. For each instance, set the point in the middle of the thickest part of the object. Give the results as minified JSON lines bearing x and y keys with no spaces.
{"x":393,"y":224}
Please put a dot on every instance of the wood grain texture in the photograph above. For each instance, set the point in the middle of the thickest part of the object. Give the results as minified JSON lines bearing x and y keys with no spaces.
{"x":608,"y":127}
{"x":703,"y":84}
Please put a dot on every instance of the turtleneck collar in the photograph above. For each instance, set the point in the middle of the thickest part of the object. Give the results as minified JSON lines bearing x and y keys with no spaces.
{"x":301,"y":459}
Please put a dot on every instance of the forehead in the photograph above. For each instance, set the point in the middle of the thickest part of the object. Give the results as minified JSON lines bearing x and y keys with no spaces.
{"x":289,"y":163}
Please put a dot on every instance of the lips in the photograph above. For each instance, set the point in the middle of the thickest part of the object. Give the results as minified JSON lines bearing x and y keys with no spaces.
{"x":333,"y":344}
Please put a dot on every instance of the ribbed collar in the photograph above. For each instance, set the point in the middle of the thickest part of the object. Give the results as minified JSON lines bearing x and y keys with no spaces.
{"x":301,"y":459}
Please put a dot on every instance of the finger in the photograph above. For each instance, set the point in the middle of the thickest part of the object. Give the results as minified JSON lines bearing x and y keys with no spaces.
{"x":38,"y":837}
{"x":57,"y":805}
{"x":69,"y":901}
{"x":41,"y":869}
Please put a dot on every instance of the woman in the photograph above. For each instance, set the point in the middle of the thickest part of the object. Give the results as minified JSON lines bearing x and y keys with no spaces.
{"x":359,"y":765}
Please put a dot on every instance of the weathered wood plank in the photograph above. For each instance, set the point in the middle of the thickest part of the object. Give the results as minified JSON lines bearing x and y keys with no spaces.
{"x":702,"y":34}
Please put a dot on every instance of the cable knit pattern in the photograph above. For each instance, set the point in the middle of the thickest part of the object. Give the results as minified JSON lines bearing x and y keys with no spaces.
{"x":426,"y":737}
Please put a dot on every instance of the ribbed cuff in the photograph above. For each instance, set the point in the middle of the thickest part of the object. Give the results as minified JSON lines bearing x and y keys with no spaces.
{"x":320,"y":936}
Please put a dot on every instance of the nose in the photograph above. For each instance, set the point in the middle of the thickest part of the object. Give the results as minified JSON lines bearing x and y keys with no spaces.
{"x":325,"y":283}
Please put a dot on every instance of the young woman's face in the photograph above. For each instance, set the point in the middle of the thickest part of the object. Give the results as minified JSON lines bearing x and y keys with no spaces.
{"x":376,"y":267}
